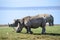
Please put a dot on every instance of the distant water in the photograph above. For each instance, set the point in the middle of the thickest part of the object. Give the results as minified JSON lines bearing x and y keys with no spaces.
{"x":30,"y":8}
{"x":8,"y":14}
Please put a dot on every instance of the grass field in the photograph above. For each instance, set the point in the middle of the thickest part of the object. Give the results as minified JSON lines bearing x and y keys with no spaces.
{"x":52,"y":33}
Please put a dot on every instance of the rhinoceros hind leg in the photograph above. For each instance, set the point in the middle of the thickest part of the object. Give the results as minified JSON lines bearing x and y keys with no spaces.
{"x":50,"y":24}
{"x":43,"y":30}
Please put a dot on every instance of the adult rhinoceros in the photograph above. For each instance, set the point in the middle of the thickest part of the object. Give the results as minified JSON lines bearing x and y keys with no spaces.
{"x":48,"y":17}
{"x":29,"y":22}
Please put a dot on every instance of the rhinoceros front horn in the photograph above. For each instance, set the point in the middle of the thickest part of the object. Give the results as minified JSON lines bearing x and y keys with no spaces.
{"x":9,"y":25}
{"x":12,"y":27}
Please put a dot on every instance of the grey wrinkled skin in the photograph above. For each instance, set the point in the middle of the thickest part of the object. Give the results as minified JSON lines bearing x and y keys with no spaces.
{"x":48,"y":17}
{"x":34,"y":22}
{"x":30,"y":22}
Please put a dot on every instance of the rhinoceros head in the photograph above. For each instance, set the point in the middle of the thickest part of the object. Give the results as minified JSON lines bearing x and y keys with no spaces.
{"x":15,"y":24}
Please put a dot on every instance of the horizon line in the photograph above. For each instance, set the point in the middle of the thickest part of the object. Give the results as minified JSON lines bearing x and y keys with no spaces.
{"x":30,"y":8}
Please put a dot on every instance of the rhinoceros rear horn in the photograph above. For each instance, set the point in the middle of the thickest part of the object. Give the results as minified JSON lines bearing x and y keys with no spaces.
{"x":8,"y":23}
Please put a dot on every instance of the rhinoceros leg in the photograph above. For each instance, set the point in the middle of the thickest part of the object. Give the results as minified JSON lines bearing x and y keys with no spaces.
{"x":29,"y":30}
{"x":43,"y":30}
{"x":50,"y":24}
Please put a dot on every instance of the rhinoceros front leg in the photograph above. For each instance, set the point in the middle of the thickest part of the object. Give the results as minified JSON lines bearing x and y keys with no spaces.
{"x":26,"y":30}
{"x":43,"y":30}
{"x":29,"y":30}
{"x":52,"y":24}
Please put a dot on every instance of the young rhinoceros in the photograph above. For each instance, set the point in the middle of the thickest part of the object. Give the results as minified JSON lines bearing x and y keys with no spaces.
{"x":48,"y":17}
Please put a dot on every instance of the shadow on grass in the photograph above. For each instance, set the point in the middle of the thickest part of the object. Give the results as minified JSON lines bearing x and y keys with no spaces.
{"x":4,"y":37}
{"x":53,"y":34}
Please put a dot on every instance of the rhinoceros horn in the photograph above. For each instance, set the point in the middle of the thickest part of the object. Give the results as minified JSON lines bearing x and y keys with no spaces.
{"x":12,"y":27}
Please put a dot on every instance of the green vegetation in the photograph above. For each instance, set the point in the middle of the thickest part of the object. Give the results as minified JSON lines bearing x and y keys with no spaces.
{"x":52,"y":33}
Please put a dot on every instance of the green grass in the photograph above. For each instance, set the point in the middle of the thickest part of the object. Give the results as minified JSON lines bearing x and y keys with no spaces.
{"x":52,"y":33}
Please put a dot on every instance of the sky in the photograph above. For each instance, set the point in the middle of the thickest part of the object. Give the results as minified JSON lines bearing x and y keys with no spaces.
{"x":7,"y":16}
{"x":28,"y":3}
